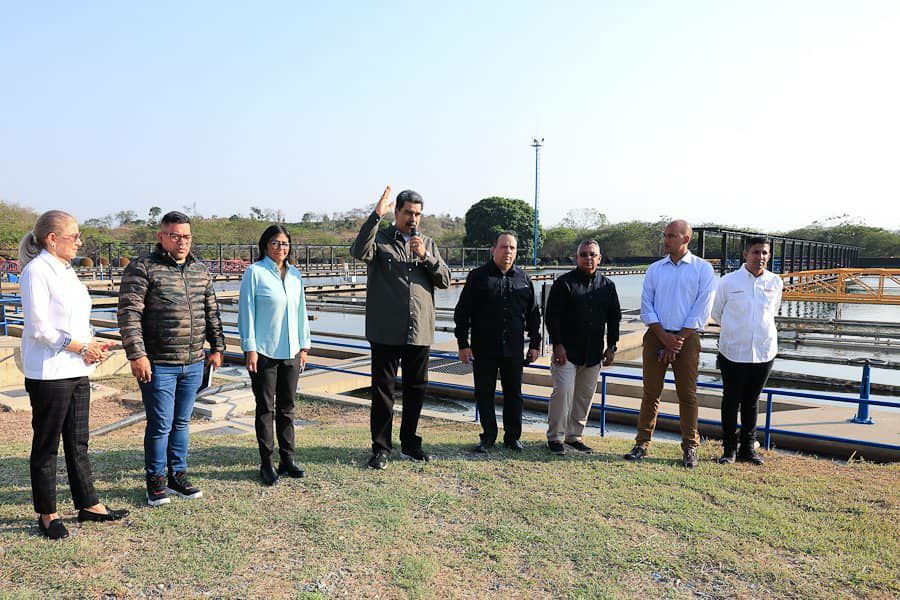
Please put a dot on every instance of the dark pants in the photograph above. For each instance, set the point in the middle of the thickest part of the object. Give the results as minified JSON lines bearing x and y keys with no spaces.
{"x":275,"y":388}
{"x":385,"y":360}
{"x":60,"y":407}
{"x":485,"y":370}
{"x":742,"y":384}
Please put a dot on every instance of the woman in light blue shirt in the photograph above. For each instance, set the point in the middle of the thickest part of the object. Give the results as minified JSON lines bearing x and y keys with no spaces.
{"x":274,"y":331}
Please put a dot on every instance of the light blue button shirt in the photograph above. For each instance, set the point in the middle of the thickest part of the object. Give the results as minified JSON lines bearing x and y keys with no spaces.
{"x":272,"y":317}
{"x":678,"y":295}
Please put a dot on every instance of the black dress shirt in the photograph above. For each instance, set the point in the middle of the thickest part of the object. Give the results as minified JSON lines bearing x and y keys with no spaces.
{"x":580,"y":308}
{"x":498,"y":308}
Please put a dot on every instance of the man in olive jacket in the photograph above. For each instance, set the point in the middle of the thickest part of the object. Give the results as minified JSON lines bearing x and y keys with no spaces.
{"x":167,"y":310}
{"x":404,"y":267}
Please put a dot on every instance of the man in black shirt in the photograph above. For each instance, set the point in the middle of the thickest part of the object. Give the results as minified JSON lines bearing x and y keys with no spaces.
{"x":582,"y":305}
{"x":498,"y":304}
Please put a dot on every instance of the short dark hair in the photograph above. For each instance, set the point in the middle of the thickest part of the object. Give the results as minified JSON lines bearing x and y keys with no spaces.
{"x":497,"y":237}
{"x":411,"y":196}
{"x":589,"y":242}
{"x":270,"y":232}
{"x":174,"y":218}
{"x":756,"y":240}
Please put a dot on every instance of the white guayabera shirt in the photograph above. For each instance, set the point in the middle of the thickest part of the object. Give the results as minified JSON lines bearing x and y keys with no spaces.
{"x":57,"y":310}
{"x":745,"y":307}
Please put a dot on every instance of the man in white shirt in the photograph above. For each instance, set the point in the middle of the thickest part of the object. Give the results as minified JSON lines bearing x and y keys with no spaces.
{"x":745,"y":306}
{"x":676,"y":300}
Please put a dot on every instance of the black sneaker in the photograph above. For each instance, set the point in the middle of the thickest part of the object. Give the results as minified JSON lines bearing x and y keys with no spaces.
{"x":514,"y":445}
{"x":581,"y":447}
{"x":180,"y":486}
{"x":750,"y":456}
{"x":156,"y":490}
{"x":690,"y":459}
{"x":636,"y":453}
{"x":417,"y":455}
{"x":727,"y":457}
{"x":378,"y":461}
{"x":556,"y":448}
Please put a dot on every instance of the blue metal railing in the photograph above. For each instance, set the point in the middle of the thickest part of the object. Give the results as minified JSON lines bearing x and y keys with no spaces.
{"x":863,"y":401}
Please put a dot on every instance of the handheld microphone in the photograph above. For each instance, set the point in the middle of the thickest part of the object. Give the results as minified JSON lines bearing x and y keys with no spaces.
{"x":414,"y":232}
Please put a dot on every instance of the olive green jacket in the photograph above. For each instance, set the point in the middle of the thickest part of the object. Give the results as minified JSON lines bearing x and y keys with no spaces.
{"x":399,"y":287}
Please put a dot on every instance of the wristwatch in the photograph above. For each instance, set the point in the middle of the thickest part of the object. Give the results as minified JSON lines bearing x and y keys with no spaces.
{"x":614,"y":348}
{"x":83,"y":351}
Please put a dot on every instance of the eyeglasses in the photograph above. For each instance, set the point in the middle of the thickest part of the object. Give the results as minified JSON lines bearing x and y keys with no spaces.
{"x":278,"y":244}
{"x":588,"y":254}
{"x":74,"y":237}
{"x":178,"y":238}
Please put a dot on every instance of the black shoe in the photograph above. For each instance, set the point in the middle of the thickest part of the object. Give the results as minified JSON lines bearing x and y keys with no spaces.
{"x":750,"y":456}
{"x":690,"y":459}
{"x":727,"y":457}
{"x":581,"y":447}
{"x":378,"y":461}
{"x":556,"y":448}
{"x":482,"y":448}
{"x":179,"y":485}
{"x":111,"y":515}
{"x":417,"y":455}
{"x":514,"y":445}
{"x":55,"y":530}
{"x":268,"y":475}
{"x":290,"y":469}
{"x":156,"y":491}
{"x":636,"y":453}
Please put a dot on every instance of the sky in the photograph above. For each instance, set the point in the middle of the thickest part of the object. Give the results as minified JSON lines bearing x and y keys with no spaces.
{"x":765,"y":115}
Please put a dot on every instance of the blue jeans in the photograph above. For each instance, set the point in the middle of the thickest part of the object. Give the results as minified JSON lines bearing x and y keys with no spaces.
{"x":168,"y":401}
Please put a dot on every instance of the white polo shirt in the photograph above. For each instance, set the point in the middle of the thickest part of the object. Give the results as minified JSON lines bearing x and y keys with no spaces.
{"x":745,"y":307}
{"x":57,"y":309}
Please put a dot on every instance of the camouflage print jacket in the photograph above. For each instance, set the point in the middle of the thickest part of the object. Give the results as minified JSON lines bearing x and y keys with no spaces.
{"x":166,"y":313}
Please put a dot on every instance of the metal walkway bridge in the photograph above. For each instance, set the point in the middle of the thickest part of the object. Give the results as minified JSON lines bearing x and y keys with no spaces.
{"x":853,"y":286}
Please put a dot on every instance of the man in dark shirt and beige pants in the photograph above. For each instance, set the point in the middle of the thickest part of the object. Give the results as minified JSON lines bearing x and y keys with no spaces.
{"x":404,"y":268}
{"x":498,"y":305}
{"x":583,"y":304}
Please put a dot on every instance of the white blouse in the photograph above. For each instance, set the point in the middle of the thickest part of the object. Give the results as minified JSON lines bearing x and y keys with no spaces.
{"x":57,"y":309}
{"x":745,"y":307}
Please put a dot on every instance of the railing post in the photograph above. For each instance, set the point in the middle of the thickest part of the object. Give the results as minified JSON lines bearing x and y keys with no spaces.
{"x":865,"y":385}
{"x":768,"y":439}
{"x":602,"y":404}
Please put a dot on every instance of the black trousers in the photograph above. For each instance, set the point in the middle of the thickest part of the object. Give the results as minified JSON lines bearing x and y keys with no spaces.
{"x":742,"y":384}
{"x":385,"y":361}
{"x":275,"y":389}
{"x":485,"y":371}
{"x":60,"y":407}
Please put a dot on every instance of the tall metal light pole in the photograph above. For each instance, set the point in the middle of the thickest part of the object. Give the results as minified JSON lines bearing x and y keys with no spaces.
{"x":536,"y":144}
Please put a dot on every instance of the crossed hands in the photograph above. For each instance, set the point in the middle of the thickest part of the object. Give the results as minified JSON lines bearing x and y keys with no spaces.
{"x":96,"y":352}
{"x":672,"y":344}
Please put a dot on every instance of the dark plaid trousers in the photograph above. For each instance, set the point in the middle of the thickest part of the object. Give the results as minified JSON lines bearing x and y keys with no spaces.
{"x":60,"y":407}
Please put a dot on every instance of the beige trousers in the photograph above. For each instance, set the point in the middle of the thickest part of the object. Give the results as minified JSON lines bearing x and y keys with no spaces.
{"x":570,"y":401}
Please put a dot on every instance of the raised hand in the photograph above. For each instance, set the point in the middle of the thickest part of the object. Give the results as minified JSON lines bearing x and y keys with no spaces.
{"x":384,"y":204}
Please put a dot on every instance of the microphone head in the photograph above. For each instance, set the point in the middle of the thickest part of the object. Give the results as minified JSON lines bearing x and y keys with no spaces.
{"x":414,"y":231}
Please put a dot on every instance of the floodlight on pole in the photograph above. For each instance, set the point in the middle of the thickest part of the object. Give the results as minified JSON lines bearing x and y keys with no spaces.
{"x":536,"y":144}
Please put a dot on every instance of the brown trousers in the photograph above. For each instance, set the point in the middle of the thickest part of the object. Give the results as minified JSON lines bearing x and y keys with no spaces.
{"x":685,"y":368}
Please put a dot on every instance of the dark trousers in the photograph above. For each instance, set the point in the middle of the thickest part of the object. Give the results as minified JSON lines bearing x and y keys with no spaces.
{"x":385,"y":360}
{"x":742,"y":383}
{"x":485,"y":371}
{"x":60,"y":407}
{"x":275,"y":388}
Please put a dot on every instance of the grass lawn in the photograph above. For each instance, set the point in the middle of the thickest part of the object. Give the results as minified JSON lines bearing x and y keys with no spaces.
{"x":527,"y":525}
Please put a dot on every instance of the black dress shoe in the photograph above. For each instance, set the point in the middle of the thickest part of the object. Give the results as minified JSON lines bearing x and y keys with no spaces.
{"x":378,"y":461}
{"x":514,"y":445}
{"x":727,"y":457}
{"x":482,"y":448}
{"x":111,"y":515}
{"x":55,"y":530}
{"x":556,"y":448}
{"x":268,"y":475}
{"x":291,"y":470}
{"x":636,"y":453}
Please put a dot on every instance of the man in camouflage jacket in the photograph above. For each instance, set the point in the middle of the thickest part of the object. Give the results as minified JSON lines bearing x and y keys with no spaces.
{"x":167,"y":310}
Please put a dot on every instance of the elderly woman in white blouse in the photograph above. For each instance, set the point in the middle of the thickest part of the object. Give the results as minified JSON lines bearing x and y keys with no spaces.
{"x":58,"y":354}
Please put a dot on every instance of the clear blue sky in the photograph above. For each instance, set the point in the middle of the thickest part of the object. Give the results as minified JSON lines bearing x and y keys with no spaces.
{"x":765,"y":114}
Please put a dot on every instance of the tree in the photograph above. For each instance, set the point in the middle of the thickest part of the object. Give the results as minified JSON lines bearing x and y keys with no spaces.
{"x":154,"y":213}
{"x":126,"y":217}
{"x":582,"y":219}
{"x":488,"y":217}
